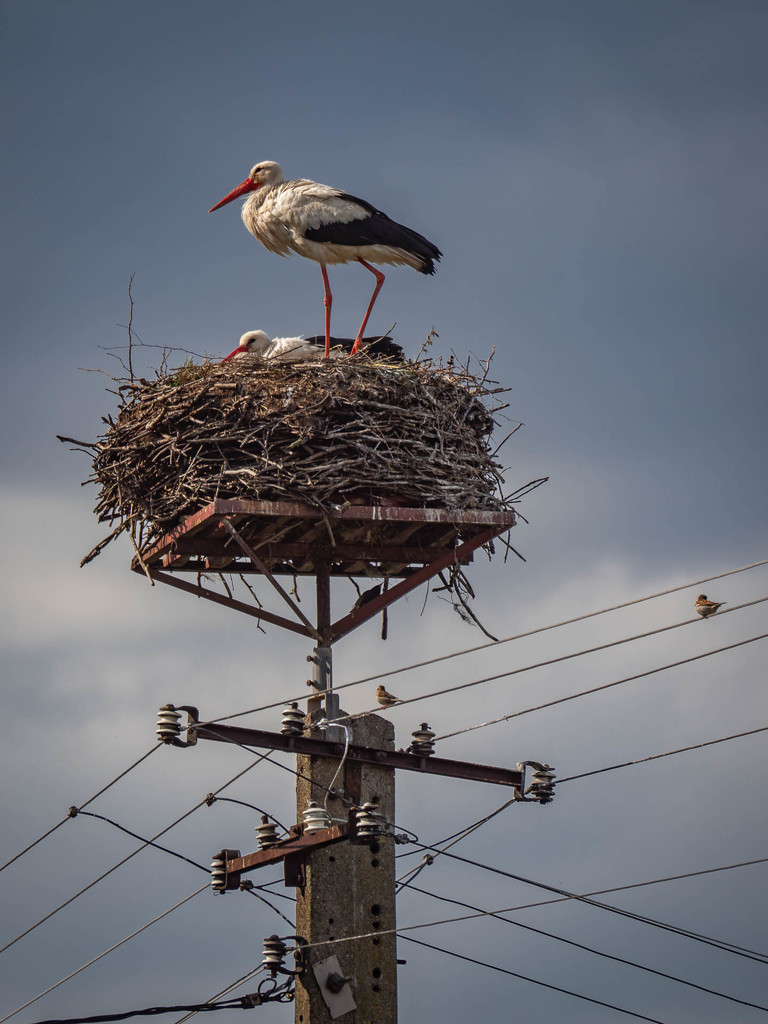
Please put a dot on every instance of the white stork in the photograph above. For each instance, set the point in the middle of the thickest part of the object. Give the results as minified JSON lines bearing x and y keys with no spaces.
{"x":257,"y":345}
{"x":328,"y":226}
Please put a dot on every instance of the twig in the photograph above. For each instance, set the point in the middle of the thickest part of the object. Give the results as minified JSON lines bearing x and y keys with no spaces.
{"x":130,"y":325}
{"x":498,"y":447}
{"x":80,"y":444}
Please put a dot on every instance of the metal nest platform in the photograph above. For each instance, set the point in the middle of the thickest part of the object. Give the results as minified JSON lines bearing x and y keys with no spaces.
{"x":273,"y":538}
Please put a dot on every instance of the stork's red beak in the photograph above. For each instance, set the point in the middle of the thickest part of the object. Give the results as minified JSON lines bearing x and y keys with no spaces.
{"x":236,"y":351}
{"x":249,"y":185}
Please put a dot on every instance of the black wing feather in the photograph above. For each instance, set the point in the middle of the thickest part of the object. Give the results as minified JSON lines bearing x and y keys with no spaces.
{"x":376,"y":346}
{"x":376,"y":229}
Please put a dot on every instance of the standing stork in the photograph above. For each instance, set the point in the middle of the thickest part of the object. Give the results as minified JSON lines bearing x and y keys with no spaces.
{"x":328,"y":226}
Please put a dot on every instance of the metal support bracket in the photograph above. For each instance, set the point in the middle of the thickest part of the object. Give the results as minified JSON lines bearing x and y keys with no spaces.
{"x":338,"y":998}
{"x":362,"y":755}
{"x":322,"y":681}
{"x":294,"y":848}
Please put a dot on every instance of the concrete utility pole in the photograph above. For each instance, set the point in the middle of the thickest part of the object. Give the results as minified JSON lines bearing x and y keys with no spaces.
{"x":344,"y":875}
{"x":349,"y":890}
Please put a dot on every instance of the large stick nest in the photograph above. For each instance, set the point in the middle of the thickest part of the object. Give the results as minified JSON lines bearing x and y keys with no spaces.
{"x":321,"y":433}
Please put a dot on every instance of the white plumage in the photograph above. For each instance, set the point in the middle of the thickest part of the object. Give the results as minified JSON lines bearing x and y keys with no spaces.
{"x":258,"y":346}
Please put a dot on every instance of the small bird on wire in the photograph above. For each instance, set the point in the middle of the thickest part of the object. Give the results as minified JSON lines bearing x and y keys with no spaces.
{"x":386,"y":699}
{"x":706,"y":608}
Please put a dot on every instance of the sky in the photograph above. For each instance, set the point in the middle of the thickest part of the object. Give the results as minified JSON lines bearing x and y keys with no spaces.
{"x":594,"y":174}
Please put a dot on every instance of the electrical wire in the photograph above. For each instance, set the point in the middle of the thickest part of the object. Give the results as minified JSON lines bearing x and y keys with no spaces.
{"x":147,"y":842}
{"x":428,"y":859}
{"x":323,"y":724}
{"x":456,"y":837}
{"x":686,"y":933}
{"x":480,"y":914}
{"x":451,"y":840}
{"x":437,"y":849}
{"x":127,"y":858}
{"x":590,"y":949}
{"x":552,"y":661}
{"x":87,"y":802}
{"x":194,"y":863}
{"x":106,"y":951}
{"x":265,"y":887}
{"x":534,"y":981}
{"x":668,"y":753}
{"x":408,"y":668}
{"x":528,"y":668}
{"x":225,"y":991}
{"x":729,"y":947}
{"x":554,"y":625}
{"x":581,"y":693}
{"x":252,"y":891}
{"x":243,"y":803}
{"x":243,"y":1003}
{"x":516,"y":636}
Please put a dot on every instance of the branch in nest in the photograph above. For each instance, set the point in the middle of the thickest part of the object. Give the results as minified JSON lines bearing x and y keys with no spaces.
{"x":453,"y":587}
{"x":103,"y":543}
{"x":79,"y":444}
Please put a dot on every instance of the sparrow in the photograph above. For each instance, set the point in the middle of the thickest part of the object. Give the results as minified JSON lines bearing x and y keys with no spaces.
{"x":385,"y":699}
{"x":366,"y":596}
{"x":706,"y":608}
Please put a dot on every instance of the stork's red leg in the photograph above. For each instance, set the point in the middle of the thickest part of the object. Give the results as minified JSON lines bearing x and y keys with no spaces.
{"x":379,"y":282}
{"x":328,"y":302}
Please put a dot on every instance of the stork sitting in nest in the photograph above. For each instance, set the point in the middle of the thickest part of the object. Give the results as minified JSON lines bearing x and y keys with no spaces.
{"x":257,"y":345}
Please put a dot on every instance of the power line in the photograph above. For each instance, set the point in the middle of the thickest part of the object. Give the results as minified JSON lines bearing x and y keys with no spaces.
{"x":243,"y":1003}
{"x":265,"y":887}
{"x":529,"y":668}
{"x":240,"y":981}
{"x":90,"y":801}
{"x":728,"y":947}
{"x":497,"y":643}
{"x":524,"y":977}
{"x":147,"y":842}
{"x":438,"y":848}
{"x":725,"y":947}
{"x":581,"y":693}
{"x":126,"y":859}
{"x":686,"y":933}
{"x":106,"y":951}
{"x":252,"y":891}
{"x":252,"y":807}
{"x":554,"y":625}
{"x":668,"y":753}
{"x":589,"y":949}
{"x":195,"y":864}
{"x":451,"y":840}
